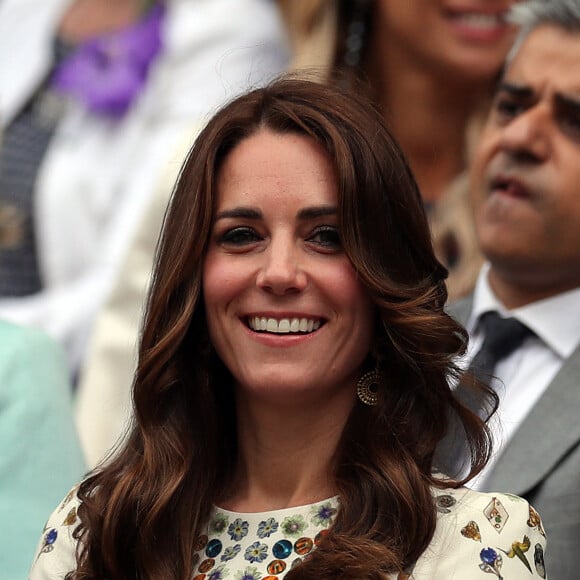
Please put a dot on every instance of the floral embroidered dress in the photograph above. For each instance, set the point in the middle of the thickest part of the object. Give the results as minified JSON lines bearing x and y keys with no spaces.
{"x":260,"y":546}
{"x":478,"y":536}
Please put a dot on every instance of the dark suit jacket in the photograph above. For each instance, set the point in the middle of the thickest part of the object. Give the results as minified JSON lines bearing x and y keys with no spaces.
{"x":542,"y":462}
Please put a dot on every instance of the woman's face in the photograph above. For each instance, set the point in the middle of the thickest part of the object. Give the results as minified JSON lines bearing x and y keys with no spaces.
{"x":462,"y":37}
{"x":285,"y":309}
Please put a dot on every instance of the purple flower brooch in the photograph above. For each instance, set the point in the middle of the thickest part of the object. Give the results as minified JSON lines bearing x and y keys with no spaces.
{"x":107,"y":73}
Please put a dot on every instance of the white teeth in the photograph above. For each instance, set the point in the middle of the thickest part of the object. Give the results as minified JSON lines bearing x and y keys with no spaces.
{"x":284,"y":325}
{"x":483,"y":21}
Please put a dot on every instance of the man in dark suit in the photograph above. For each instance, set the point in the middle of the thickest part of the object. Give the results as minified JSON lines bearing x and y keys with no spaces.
{"x":526,"y":194}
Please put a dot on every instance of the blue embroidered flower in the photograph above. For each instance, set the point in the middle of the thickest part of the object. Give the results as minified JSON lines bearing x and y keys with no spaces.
{"x":219,"y":573}
{"x":293,"y":525}
{"x":49,"y":539}
{"x":491,"y":562}
{"x":323,"y":515}
{"x":488,"y":556}
{"x":219,"y":523}
{"x":238,"y":529}
{"x":250,"y":573}
{"x":256,"y":552}
{"x":230,"y":552}
{"x":267,"y":528}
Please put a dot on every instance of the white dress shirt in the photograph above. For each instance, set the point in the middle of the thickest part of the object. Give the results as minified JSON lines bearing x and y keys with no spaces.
{"x":522,"y":377}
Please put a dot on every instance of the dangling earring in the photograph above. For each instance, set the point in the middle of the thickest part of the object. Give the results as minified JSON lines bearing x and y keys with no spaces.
{"x":367,"y":388}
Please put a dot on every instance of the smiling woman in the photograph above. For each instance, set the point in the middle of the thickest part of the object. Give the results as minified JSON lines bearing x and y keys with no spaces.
{"x":293,"y":378}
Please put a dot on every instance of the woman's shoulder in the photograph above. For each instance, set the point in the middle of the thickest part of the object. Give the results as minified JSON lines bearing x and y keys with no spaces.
{"x":56,"y":551}
{"x":494,"y":533}
{"x":496,"y":507}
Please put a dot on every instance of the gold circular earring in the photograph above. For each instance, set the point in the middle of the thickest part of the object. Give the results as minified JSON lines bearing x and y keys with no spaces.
{"x":367,"y":388}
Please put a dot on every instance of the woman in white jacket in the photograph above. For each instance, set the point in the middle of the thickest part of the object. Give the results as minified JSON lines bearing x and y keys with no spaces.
{"x":98,"y":174}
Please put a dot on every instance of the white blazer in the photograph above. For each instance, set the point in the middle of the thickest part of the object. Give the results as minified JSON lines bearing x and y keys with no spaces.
{"x":97,"y":176}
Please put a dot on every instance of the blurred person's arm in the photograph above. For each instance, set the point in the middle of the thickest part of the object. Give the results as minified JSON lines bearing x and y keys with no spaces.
{"x":40,"y":456}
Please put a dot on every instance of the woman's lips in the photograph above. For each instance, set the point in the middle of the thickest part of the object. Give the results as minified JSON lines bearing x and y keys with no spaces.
{"x":478,"y":25}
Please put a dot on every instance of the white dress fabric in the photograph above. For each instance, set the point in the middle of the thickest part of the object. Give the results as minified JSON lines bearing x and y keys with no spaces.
{"x":478,"y":536}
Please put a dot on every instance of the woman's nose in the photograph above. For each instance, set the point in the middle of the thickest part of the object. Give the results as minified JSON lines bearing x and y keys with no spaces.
{"x":282,"y":272}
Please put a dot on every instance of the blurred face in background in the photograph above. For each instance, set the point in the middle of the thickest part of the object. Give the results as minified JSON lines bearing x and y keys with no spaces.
{"x":469,"y":38}
{"x":526,"y":173}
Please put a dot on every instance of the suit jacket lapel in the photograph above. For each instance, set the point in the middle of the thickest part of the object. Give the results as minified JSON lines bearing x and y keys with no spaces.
{"x":545,"y":435}
{"x":451,"y":450}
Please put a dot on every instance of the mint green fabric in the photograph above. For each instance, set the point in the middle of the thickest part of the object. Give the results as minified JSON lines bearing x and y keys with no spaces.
{"x":40,"y":456}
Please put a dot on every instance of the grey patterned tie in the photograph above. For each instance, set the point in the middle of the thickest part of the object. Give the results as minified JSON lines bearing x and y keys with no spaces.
{"x":501,"y":337}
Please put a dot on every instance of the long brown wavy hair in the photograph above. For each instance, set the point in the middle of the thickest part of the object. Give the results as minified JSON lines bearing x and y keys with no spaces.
{"x":142,"y":510}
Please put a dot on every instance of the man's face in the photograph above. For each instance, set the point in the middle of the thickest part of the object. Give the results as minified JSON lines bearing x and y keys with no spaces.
{"x":526,"y":173}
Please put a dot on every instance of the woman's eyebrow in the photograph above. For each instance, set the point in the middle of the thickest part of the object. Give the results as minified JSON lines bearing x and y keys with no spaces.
{"x":240,"y":212}
{"x":306,"y":213}
{"x":309,"y":213}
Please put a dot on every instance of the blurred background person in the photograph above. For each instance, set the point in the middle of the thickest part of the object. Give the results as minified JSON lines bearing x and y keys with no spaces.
{"x":524,"y":316}
{"x":431,"y":66}
{"x":249,"y":38}
{"x":95,"y":95}
{"x":40,"y":454}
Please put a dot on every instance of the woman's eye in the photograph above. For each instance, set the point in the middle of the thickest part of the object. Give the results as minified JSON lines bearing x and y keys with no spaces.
{"x":239,"y":236}
{"x":326,"y":236}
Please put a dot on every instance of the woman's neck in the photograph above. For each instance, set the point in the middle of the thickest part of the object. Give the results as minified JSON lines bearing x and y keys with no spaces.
{"x":286,"y":455}
{"x":86,"y":19}
{"x":428,"y":115}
